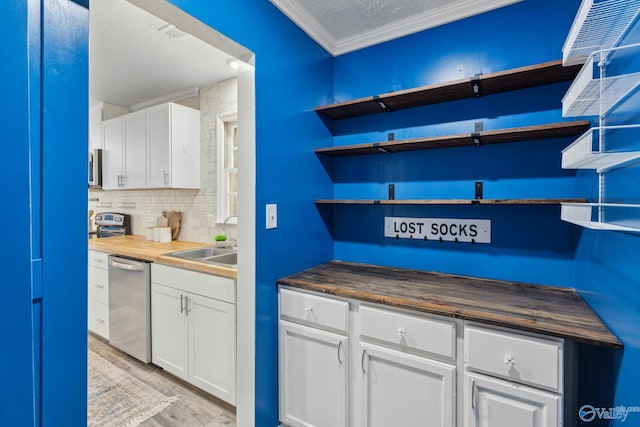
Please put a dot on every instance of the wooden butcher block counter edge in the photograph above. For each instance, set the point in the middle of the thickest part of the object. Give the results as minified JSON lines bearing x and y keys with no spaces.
{"x":138,"y":247}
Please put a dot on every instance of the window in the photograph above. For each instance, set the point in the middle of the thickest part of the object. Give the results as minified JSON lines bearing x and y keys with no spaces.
{"x":227,"y":150}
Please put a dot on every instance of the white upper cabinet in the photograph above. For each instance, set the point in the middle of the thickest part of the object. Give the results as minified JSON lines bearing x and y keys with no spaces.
{"x":123,"y":159}
{"x":158,"y":147}
{"x":173,"y":150}
{"x":134,"y":146}
{"x":113,"y":154}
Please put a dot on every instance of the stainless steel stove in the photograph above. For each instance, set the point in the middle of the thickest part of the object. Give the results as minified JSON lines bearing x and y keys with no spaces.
{"x":110,"y":224}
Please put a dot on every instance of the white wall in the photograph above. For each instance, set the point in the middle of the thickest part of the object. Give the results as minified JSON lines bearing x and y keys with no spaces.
{"x":198,"y":207}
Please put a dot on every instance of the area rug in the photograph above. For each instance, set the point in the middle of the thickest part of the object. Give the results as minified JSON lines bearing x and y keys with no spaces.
{"x":118,"y":399}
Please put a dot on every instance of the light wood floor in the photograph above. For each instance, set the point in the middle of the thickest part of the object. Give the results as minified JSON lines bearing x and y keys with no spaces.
{"x":195,"y":408}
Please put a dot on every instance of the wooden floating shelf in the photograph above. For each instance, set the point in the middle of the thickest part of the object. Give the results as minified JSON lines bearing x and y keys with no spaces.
{"x":526,"y":133}
{"x":474,"y":87}
{"x":449,"y":201}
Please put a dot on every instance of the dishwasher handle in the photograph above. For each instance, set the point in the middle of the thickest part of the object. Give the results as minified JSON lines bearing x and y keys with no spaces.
{"x":134,"y":266}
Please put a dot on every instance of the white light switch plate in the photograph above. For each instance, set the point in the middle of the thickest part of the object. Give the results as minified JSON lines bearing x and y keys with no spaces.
{"x":272,"y":216}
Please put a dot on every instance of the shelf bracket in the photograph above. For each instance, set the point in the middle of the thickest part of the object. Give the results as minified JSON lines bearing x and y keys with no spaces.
{"x":475,"y":86}
{"x":475,"y":138}
{"x":376,"y":145}
{"x":381,"y":104}
{"x":478,"y":188}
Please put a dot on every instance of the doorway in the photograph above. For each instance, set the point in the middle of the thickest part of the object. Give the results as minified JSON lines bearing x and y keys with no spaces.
{"x":180,"y":25}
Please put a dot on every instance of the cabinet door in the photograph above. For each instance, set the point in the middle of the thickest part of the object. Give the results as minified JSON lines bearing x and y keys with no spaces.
{"x":185,"y":147}
{"x":212,"y":346}
{"x":401,"y":389}
{"x":313,"y":379}
{"x":159,"y":146}
{"x":491,"y":402}
{"x":112,"y":157}
{"x":135,"y":156}
{"x":169,"y":330}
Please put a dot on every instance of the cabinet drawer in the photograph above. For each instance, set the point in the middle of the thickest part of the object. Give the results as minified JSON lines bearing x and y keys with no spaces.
{"x":520,"y":358}
{"x":99,"y":259}
{"x":423,"y":333}
{"x":313,"y":309}
{"x":99,"y":318}
{"x":207,"y":285}
{"x":99,"y":284}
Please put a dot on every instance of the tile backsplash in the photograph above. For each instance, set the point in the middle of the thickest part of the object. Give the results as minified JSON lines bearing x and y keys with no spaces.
{"x":198,"y":207}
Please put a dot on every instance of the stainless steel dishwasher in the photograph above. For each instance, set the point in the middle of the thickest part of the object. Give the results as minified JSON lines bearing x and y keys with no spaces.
{"x":130,"y":306}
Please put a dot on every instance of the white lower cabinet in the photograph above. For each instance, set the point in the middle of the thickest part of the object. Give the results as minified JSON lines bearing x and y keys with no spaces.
{"x":344,"y":362}
{"x":312,"y":370}
{"x":499,"y":403}
{"x":169,"y":330}
{"x":193,"y":328}
{"x":512,"y":378}
{"x":98,"y":293}
{"x":401,"y":389}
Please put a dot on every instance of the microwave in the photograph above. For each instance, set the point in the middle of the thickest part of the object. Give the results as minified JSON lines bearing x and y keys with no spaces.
{"x":95,"y":168}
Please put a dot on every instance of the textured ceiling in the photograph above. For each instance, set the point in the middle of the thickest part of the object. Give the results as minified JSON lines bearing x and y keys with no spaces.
{"x":342,"y":26}
{"x":130,"y":61}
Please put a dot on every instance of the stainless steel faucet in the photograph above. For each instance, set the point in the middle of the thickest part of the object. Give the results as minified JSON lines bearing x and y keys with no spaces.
{"x":224,"y":226}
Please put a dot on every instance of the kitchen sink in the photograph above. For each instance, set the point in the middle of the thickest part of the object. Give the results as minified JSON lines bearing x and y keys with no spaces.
{"x":227,"y":259}
{"x":210,"y":255}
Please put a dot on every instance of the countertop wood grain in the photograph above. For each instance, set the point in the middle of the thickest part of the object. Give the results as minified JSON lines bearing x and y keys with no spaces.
{"x":553,"y":311}
{"x":138,"y":247}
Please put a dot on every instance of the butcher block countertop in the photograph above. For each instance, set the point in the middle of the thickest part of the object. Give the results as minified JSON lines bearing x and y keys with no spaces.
{"x":558,"y":312}
{"x":138,"y":247}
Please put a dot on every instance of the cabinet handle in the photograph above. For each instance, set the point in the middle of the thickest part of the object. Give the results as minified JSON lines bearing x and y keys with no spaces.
{"x":99,"y":260}
{"x":186,"y":304}
{"x":181,"y":304}
{"x":364,"y":352}
{"x":100,"y":321}
{"x":166,"y":178}
{"x":339,"y":345}
{"x":402,"y":332}
{"x":473,"y":395}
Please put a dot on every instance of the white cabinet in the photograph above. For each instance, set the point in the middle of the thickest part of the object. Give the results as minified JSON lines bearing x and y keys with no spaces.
{"x":193,"y":327}
{"x":124,"y":156}
{"x":97,"y":114}
{"x":341,"y":363}
{"x":402,"y":389}
{"x":212,"y":343}
{"x":402,"y":382}
{"x":170,"y":330}
{"x":98,"y":293}
{"x":346,"y":362}
{"x":498,"y":403}
{"x":173,"y":135}
{"x":158,"y":147}
{"x":313,"y":360}
{"x":313,"y":377}
{"x":512,"y":379}
{"x":113,"y":154}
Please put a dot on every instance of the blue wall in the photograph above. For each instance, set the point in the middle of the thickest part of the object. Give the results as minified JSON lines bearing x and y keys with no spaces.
{"x":529,"y":243}
{"x":293,"y":75}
